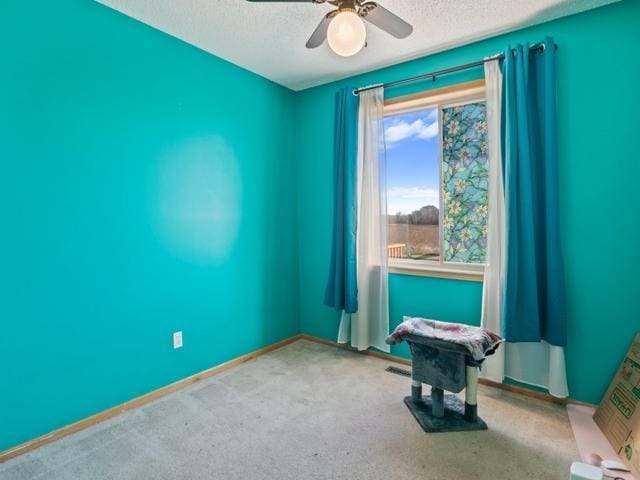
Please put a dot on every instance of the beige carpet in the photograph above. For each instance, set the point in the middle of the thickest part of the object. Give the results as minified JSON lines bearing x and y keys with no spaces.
{"x":307,"y":411}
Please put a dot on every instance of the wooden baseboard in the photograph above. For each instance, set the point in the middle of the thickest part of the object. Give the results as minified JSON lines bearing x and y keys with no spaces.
{"x":373,"y":353}
{"x":137,"y":402}
{"x":185,"y":382}
{"x":405,"y":361}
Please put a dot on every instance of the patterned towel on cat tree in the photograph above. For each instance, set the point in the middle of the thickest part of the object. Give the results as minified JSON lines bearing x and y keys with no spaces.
{"x":478,"y":340}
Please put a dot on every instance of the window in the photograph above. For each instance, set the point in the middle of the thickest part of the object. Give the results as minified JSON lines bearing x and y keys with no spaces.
{"x":437,"y":180}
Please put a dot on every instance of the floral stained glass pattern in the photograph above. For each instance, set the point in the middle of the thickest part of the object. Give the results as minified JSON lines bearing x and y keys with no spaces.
{"x":465,"y":171}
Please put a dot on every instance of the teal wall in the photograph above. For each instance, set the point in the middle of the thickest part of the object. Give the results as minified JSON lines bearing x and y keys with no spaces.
{"x":148,"y":187}
{"x":145,"y":187}
{"x":598,"y":76}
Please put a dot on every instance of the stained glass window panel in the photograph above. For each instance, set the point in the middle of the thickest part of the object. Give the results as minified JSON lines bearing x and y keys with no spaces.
{"x":465,"y":169}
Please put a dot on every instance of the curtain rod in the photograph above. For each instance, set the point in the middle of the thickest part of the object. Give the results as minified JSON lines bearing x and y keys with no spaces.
{"x":535,"y":48}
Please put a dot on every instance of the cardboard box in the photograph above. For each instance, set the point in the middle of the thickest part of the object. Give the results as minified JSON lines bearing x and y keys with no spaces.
{"x":631,"y":452}
{"x":618,"y":415}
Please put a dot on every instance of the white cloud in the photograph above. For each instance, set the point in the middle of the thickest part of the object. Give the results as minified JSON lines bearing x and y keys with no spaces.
{"x":428,"y":131}
{"x":413,"y":192}
{"x":432,"y":115}
{"x":408,"y":199}
{"x":425,"y":129}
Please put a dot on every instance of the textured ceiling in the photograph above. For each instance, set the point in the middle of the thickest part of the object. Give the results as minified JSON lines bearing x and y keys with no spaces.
{"x":269,"y":38}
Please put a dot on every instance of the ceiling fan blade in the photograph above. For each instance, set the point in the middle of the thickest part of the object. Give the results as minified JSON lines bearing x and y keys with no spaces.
{"x":385,"y":20}
{"x":319,"y":35}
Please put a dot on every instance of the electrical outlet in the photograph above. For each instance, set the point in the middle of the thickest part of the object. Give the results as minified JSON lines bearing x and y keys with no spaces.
{"x":177,"y":339}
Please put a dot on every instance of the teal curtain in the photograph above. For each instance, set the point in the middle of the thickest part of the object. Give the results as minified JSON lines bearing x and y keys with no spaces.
{"x":341,"y":291}
{"x":534,"y":295}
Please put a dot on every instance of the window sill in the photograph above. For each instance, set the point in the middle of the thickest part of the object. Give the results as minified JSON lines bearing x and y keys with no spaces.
{"x":424,"y":269}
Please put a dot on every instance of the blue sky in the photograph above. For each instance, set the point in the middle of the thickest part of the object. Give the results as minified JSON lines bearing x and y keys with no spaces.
{"x":412,"y":161}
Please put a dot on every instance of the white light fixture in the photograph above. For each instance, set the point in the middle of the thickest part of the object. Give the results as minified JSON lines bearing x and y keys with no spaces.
{"x":346,"y":34}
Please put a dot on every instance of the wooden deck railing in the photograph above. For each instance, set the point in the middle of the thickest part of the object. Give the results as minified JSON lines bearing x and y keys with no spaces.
{"x":396,"y":250}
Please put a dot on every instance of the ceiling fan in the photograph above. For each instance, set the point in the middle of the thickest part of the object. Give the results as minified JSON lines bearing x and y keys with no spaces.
{"x":344,"y":28}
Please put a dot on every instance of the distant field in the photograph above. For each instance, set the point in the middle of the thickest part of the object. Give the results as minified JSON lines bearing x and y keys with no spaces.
{"x":421,"y":241}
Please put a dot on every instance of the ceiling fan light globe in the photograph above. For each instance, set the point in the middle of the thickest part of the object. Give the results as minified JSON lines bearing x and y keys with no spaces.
{"x":346,"y":34}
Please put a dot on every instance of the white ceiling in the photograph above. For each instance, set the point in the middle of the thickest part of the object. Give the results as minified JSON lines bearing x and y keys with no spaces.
{"x":269,"y":38}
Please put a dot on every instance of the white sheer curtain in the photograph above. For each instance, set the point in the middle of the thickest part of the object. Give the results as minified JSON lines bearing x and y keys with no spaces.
{"x":493,"y":367}
{"x":538,"y":364}
{"x":369,"y":326}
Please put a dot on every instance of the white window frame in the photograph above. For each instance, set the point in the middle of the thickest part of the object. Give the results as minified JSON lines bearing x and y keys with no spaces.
{"x":439,"y":99}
